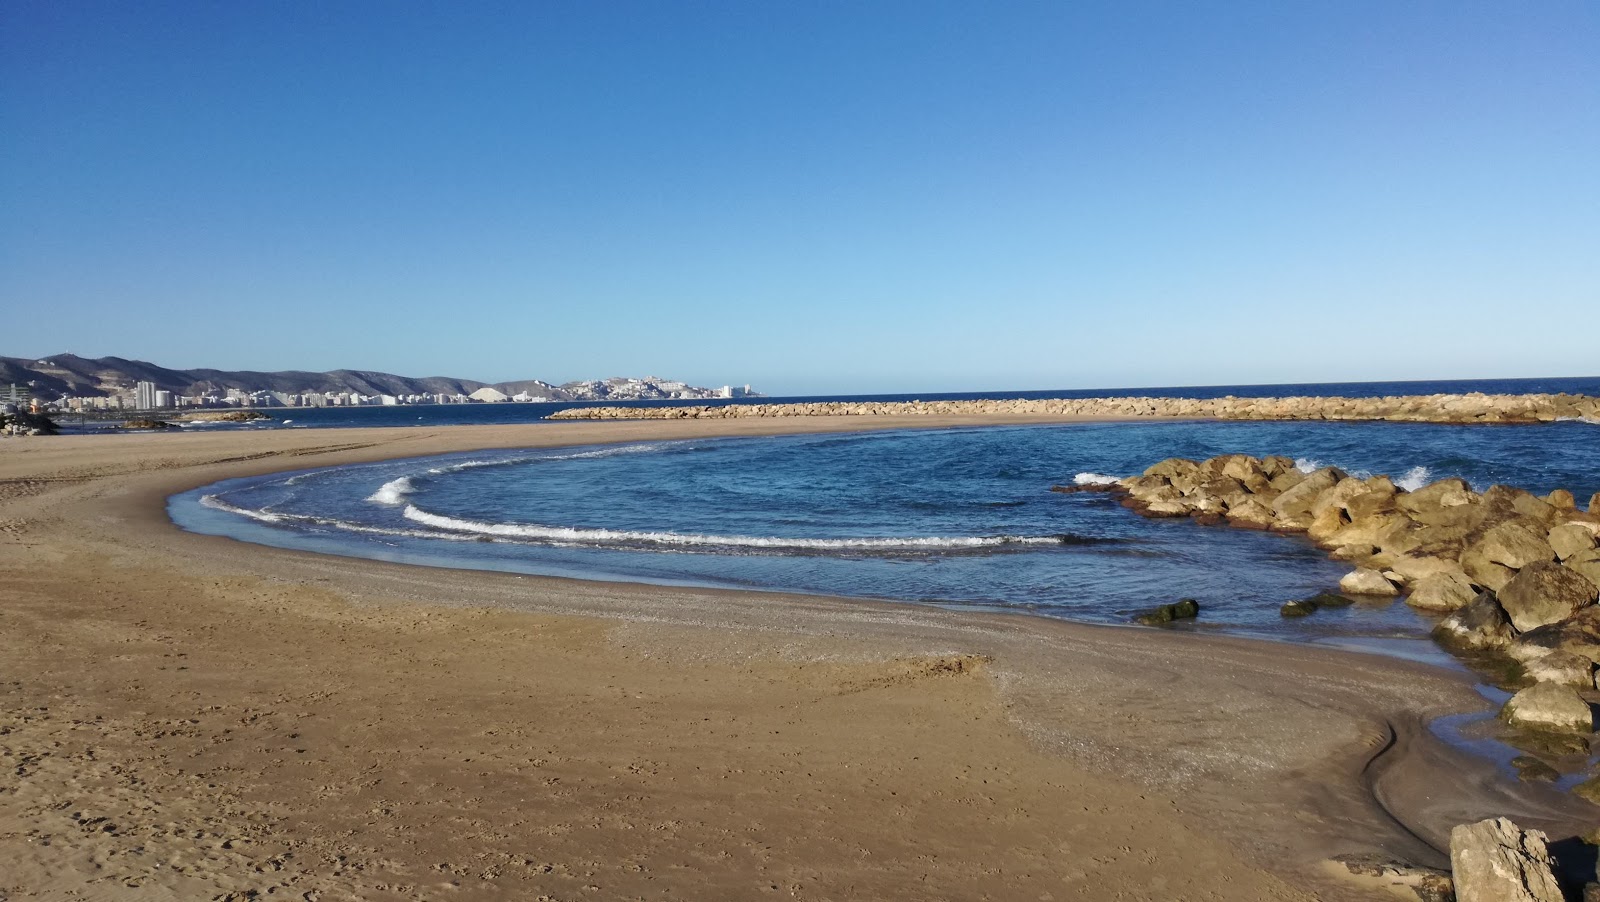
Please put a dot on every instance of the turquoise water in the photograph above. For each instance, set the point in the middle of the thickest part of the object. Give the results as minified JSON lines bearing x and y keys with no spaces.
{"x":960,"y":516}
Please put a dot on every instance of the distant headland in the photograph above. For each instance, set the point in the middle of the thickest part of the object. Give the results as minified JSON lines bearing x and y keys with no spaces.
{"x":70,"y":382}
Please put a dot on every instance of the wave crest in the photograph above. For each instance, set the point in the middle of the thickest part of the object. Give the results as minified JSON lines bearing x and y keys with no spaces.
{"x":1094,"y":479}
{"x":572,"y":535}
{"x":394,"y":491}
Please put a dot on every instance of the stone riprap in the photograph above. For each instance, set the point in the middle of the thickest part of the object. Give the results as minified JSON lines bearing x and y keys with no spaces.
{"x":1453,"y":408}
{"x":1513,"y":573}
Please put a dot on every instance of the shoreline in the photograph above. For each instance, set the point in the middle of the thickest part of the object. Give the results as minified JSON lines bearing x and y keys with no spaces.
{"x":1321,"y":751}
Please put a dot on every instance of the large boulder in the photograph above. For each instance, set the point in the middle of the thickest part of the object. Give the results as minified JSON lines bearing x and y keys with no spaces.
{"x":1366,"y":581}
{"x":1563,"y":668}
{"x":1485,"y":572}
{"x":1496,"y":861}
{"x":1570,"y":539}
{"x":1379,"y":498}
{"x":1443,"y":591}
{"x":1173,"y":466}
{"x":1502,"y":502}
{"x":1543,"y":593}
{"x":1415,"y":568}
{"x":1549,"y":706}
{"x":1251,"y":514}
{"x":1438,"y":501}
{"x":1579,"y":635}
{"x":1515,"y":544}
{"x":1587,"y":565}
{"x":1480,"y":624}
{"x":1293,"y":507}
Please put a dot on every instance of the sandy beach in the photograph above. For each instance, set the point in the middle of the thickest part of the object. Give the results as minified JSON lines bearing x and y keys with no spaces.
{"x":185,"y":717}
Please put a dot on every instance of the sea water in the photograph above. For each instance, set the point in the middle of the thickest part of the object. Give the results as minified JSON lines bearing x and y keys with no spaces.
{"x":960,"y":517}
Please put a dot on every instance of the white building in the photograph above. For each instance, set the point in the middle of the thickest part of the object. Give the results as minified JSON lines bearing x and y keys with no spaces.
{"x":144,"y":396}
{"x":489,"y":395}
{"x":163,"y":399}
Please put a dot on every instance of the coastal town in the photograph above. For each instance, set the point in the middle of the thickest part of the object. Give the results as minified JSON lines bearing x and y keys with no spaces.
{"x":70,"y":384}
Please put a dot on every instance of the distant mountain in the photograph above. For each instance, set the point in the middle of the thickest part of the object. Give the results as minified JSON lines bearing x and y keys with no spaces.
{"x":68,"y":375}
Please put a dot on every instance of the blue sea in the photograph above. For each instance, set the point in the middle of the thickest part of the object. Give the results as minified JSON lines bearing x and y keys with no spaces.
{"x":961,"y":517}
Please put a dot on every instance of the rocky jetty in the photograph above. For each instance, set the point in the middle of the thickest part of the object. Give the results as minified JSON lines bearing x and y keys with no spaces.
{"x":25,"y":423}
{"x":1514,"y":575}
{"x":1453,"y":408}
{"x":224,"y":416}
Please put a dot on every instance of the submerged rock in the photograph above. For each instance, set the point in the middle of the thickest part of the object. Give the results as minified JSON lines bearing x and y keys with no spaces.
{"x":1549,"y":706}
{"x":1184,"y":609}
{"x":1302,"y":608}
{"x":1532,"y":769}
{"x":1496,"y":861}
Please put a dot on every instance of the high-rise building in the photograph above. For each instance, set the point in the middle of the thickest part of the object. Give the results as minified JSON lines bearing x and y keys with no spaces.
{"x":144,"y":396}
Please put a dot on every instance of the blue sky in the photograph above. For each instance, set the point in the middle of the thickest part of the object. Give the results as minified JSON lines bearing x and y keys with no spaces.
{"x":813,"y":197}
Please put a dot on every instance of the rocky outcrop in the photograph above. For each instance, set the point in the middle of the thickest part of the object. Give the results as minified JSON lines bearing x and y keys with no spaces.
{"x":1462,"y":408}
{"x":25,"y":423}
{"x":224,"y":416}
{"x":1549,"y":706}
{"x":1495,"y":861}
{"x":1516,"y":575}
{"x":1184,"y":609}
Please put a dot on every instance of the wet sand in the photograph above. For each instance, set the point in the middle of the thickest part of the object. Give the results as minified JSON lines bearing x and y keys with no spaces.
{"x":186,"y":716}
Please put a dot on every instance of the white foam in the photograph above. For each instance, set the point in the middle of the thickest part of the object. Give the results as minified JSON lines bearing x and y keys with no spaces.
{"x":394,"y":491}
{"x":614,"y":451}
{"x":1307,"y":465}
{"x":1094,"y":479}
{"x":216,"y":503}
{"x":581,"y":536}
{"x":1415,"y":478}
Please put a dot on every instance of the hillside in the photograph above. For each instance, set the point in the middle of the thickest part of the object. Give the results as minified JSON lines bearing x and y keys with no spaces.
{"x":68,"y":375}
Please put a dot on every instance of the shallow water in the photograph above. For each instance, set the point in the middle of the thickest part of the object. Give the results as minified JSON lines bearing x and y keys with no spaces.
{"x":959,"y":516}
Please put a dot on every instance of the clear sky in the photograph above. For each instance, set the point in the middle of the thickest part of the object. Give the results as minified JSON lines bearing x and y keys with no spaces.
{"x":810,"y":196}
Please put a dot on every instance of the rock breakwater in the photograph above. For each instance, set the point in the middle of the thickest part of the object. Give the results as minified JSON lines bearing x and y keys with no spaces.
{"x":1516,"y":576}
{"x":1449,"y":408}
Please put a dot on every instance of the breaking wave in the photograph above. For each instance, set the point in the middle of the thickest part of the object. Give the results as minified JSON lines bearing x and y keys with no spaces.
{"x":635,"y":539}
{"x":394,"y":491}
{"x":1094,"y":479}
{"x":1415,"y":478}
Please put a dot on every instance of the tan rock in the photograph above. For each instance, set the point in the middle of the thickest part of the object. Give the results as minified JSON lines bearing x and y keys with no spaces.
{"x":1444,"y":591}
{"x":1480,"y":624}
{"x":1414,"y":569}
{"x":1561,"y":499}
{"x":1549,"y":706}
{"x":1495,"y":861}
{"x":1365,"y":581}
{"x":1594,"y":504}
{"x":1569,"y":538}
{"x":1167,"y":509}
{"x":1563,"y":668}
{"x":1587,"y":565}
{"x":1293,"y":507}
{"x":1516,"y":544}
{"x":1485,"y":572}
{"x":1544,"y":593}
{"x":1377,"y":499}
{"x":1251,"y":514}
{"x":1339,"y":496}
{"x":1173,"y":466}
{"x":1437,"y":500}
{"x":1327,"y":523}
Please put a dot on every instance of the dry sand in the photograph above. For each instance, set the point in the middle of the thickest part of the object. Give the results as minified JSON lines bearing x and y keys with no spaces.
{"x":188,"y":717}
